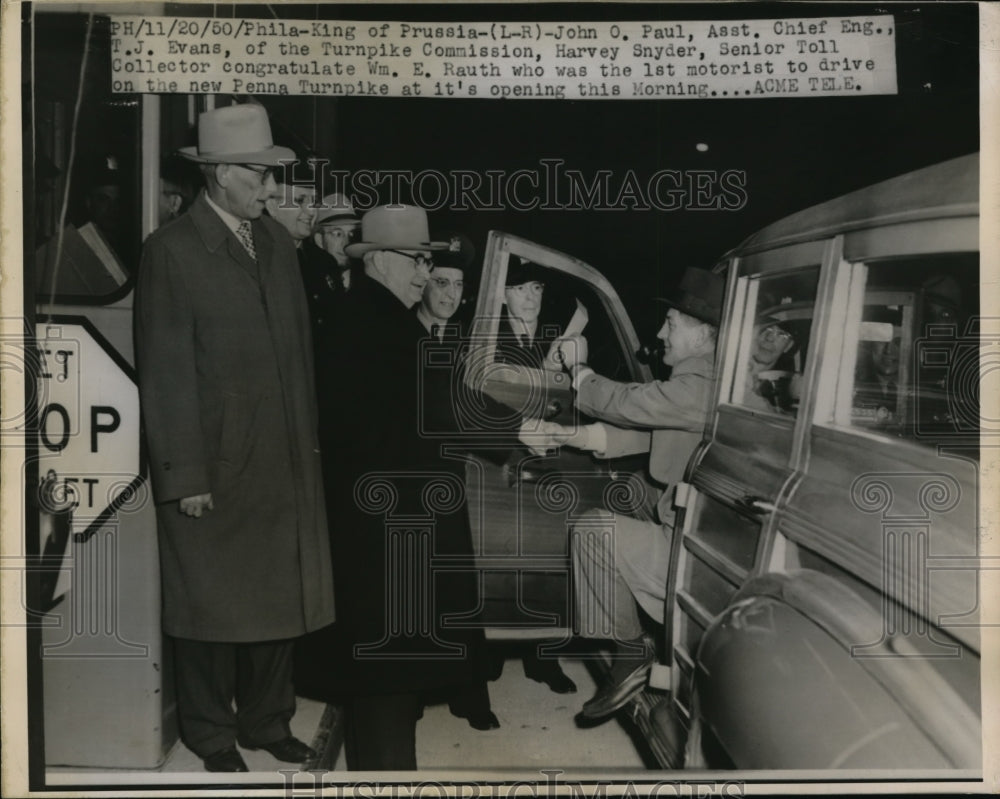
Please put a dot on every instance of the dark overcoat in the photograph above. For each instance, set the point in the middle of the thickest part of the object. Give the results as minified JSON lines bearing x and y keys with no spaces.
{"x":227,"y":388}
{"x":400,"y":536}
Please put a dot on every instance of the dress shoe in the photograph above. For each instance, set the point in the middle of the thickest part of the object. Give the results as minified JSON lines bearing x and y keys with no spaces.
{"x":287,"y":750}
{"x":549,"y":672}
{"x":227,"y":759}
{"x":618,"y":692}
{"x":479,"y":719}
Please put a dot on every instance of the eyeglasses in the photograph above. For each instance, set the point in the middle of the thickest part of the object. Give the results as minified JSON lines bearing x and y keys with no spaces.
{"x":418,"y":260}
{"x":264,"y":172}
{"x":772,"y":332}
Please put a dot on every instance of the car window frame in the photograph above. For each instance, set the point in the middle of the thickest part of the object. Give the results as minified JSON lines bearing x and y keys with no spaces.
{"x":834,"y":386}
{"x":500,"y":247}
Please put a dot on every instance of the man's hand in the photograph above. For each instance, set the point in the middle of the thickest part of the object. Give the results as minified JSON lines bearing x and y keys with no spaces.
{"x":538,"y":436}
{"x":571,"y":351}
{"x":196,"y":505}
{"x":576,"y":437}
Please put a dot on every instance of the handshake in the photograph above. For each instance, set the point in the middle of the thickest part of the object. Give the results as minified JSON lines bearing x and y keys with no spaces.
{"x":541,"y":437}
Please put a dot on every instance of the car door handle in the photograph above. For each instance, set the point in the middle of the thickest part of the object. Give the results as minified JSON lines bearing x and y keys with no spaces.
{"x":755,"y":504}
{"x":552,"y":409}
{"x":516,"y":476}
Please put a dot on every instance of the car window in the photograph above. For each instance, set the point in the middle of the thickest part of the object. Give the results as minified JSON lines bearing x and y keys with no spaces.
{"x":774,"y":341}
{"x":916,"y":366}
{"x":535,"y":313}
{"x":531,"y":296}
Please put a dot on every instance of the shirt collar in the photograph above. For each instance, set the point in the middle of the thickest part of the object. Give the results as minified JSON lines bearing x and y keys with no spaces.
{"x":231,"y":221}
{"x":429,"y":322}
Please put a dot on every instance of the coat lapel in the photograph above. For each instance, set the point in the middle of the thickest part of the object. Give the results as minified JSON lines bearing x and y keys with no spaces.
{"x":216,"y":235}
{"x":265,"y":250}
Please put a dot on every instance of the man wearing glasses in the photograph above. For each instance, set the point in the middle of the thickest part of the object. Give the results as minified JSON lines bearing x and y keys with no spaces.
{"x":394,"y":500}
{"x":226,"y":380}
{"x":769,"y":388}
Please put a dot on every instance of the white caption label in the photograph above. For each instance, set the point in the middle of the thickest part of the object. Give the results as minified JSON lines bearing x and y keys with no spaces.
{"x":812,"y":57}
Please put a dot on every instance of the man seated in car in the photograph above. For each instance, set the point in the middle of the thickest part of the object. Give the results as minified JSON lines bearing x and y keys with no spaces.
{"x":768,"y":387}
{"x":620,"y":564}
{"x":876,"y":386}
{"x":521,"y":339}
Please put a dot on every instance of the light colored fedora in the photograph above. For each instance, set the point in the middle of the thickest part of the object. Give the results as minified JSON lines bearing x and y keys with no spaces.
{"x":236,"y":134}
{"x":337,"y":210}
{"x":394,"y":227}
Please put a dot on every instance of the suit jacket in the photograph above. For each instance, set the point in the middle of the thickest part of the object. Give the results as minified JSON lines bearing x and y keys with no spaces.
{"x":226,"y":382}
{"x":510,"y":348}
{"x":664,"y":417}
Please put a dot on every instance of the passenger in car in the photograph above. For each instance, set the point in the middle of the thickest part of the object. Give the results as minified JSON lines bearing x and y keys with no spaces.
{"x":521,"y":339}
{"x":620,"y":564}
{"x":876,"y":386}
{"x":767,"y":387}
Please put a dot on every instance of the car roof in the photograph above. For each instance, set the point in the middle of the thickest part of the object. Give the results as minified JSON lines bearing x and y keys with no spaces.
{"x":947,"y":189}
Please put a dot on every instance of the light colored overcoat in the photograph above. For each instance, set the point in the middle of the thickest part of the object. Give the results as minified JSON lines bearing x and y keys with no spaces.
{"x":226,"y":381}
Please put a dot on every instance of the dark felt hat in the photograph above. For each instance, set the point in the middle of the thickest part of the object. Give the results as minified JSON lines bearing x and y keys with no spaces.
{"x":461,"y":253}
{"x":699,"y":295}
{"x":521,"y":271}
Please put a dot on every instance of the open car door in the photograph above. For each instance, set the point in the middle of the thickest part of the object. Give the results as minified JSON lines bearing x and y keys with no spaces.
{"x":522,"y":505}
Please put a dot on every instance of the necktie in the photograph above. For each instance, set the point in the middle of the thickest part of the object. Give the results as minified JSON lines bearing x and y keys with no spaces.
{"x":245,"y":235}
{"x":436,"y":331}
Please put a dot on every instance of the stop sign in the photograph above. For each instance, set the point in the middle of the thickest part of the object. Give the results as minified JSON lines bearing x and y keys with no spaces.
{"x":88,"y":421}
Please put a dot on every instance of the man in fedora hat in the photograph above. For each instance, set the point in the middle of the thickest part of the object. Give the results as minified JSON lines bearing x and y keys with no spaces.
{"x":620,"y":564}
{"x":226,"y":381}
{"x":336,"y":227}
{"x":373,"y":425}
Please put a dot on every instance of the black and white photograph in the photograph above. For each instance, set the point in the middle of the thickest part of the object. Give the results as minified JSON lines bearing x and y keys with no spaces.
{"x":499,"y":399}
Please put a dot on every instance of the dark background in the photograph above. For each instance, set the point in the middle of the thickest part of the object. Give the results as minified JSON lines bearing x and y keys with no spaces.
{"x":795,"y":152}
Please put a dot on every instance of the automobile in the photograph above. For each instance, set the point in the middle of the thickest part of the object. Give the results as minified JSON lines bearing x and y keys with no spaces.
{"x":822,"y":602}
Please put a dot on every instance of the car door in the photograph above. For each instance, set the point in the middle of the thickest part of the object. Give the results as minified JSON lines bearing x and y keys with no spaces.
{"x":521,"y":505}
{"x":739,"y":476}
{"x":859,"y":595}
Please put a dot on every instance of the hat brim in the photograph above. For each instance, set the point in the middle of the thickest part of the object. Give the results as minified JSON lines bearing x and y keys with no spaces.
{"x":338,"y":219}
{"x":518,"y":275}
{"x":272,"y":156}
{"x":700,"y":314}
{"x":361,"y":247}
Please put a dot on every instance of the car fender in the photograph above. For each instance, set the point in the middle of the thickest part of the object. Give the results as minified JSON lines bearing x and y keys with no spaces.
{"x":798,"y":673}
